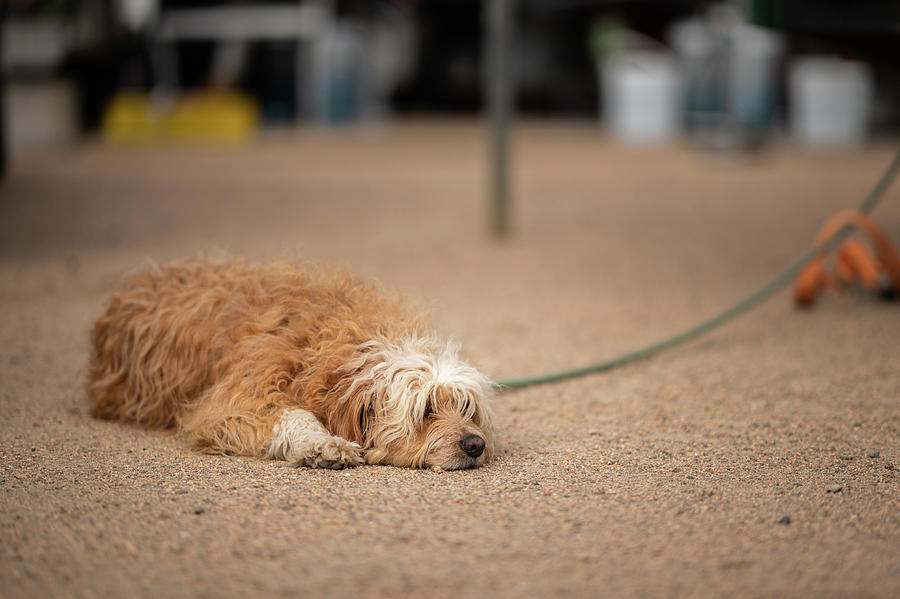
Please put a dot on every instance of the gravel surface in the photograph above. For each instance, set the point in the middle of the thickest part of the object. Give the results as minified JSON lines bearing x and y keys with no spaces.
{"x":759,"y":461}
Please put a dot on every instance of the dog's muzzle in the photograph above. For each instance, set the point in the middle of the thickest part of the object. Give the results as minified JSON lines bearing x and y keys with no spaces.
{"x":472,"y":445}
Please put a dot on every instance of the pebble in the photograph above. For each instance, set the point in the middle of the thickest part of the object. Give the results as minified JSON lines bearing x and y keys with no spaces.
{"x":785,"y":521}
{"x":874,"y":454}
{"x":834,"y":488}
{"x":199,"y":510}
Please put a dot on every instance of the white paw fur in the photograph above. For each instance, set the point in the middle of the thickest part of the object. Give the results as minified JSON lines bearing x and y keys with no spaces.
{"x":300,"y":439}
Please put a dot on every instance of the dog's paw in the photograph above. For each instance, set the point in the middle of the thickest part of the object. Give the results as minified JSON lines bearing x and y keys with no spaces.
{"x":335,"y":453}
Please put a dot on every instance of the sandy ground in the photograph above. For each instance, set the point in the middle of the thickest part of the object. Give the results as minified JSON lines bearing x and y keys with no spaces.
{"x":675,"y":477}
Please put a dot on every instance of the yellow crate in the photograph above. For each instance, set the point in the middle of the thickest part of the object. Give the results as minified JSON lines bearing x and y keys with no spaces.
{"x":218,"y":117}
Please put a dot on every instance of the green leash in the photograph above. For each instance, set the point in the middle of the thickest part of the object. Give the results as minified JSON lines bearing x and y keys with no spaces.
{"x":777,"y":283}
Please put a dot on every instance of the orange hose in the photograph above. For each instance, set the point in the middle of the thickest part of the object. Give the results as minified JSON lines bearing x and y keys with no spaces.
{"x":860,"y":262}
{"x":854,"y":260}
{"x":809,"y":281}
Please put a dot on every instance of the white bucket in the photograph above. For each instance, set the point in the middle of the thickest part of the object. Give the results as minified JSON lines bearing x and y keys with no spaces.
{"x":830,"y":102}
{"x":40,"y":114}
{"x":641,"y":97}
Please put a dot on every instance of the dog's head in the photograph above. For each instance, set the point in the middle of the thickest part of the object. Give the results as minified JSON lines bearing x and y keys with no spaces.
{"x":417,"y":405}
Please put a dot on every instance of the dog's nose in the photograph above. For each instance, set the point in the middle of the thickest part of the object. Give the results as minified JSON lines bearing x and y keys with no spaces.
{"x":473,"y":445}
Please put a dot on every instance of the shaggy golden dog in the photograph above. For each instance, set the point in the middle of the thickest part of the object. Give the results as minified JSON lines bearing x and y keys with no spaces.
{"x":276,"y":361}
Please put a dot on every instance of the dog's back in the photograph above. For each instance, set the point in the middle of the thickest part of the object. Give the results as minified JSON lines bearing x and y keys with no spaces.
{"x":154,"y":347}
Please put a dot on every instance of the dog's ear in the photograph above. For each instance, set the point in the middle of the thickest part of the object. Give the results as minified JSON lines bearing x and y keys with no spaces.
{"x":366,"y":418}
{"x":358,"y":418}
{"x":349,"y":413}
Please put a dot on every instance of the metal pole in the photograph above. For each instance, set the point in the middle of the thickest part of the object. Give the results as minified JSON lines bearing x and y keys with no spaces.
{"x":499,"y":23}
{"x":3,"y":146}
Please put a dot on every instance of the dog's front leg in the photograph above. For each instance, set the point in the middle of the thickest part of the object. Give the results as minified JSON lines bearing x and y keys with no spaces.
{"x":300,"y":438}
{"x":252,"y":410}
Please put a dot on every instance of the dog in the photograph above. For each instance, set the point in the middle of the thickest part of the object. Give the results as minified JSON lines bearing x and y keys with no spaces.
{"x":279,"y":361}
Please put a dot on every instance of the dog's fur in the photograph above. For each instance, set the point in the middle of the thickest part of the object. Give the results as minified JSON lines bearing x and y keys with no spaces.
{"x":306,"y":365}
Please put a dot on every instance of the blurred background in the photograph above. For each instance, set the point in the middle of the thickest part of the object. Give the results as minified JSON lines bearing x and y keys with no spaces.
{"x":399,"y":137}
{"x":728,"y":75}
{"x":372,"y":132}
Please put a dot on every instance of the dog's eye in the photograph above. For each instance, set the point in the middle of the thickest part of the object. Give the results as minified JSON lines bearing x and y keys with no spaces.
{"x":428,"y":411}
